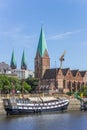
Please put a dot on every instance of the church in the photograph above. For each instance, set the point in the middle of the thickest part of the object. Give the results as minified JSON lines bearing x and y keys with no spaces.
{"x":55,"y":79}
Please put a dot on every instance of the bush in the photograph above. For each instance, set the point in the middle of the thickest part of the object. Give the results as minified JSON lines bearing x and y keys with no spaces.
{"x":69,"y":93}
{"x":85,"y":93}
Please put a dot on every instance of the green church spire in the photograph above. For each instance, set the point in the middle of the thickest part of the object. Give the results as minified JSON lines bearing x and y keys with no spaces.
{"x":23,"y":62}
{"x":13,"y":64}
{"x":42,"y":43}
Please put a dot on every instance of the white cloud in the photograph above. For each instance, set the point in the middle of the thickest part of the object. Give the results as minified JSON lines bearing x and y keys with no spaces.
{"x":63,"y":35}
{"x":17,"y":35}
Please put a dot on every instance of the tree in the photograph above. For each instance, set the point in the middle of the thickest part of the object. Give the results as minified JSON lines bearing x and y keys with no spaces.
{"x":33,"y":82}
{"x":12,"y":84}
{"x":4,"y":84}
{"x":27,"y":87}
{"x":15,"y":83}
{"x":7,"y":84}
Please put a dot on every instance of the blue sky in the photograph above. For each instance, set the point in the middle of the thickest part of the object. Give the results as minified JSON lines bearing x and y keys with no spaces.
{"x":65,"y":28}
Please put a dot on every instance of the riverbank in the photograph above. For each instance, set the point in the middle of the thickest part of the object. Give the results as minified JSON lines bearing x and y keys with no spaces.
{"x":2,"y":111}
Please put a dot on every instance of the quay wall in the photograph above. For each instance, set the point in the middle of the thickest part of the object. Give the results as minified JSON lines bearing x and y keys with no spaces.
{"x":74,"y":105}
{"x":2,"y":111}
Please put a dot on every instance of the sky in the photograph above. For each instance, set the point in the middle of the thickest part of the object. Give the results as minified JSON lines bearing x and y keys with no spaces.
{"x":64,"y":24}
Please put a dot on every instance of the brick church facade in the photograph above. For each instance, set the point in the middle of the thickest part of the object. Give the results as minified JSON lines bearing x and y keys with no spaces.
{"x":55,"y":79}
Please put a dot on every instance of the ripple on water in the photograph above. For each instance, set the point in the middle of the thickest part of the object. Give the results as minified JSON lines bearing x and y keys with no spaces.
{"x":55,"y":121}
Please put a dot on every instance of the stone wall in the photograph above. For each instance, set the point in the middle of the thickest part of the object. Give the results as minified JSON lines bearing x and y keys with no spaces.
{"x":2,"y":111}
{"x":74,"y":105}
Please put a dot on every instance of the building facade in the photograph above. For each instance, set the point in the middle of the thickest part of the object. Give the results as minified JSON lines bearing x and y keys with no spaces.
{"x":57,"y":79}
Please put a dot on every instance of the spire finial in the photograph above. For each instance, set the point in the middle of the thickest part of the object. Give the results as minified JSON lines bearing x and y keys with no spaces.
{"x":23,"y":61}
{"x":42,"y":25}
{"x":42,"y":46}
{"x":13,"y":64}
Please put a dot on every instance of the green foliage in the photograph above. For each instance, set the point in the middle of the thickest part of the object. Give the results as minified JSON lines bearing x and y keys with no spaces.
{"x":8,"y":84}
{"x":70,"y":93}
{"x":83,"y":90}
{"x":4,"y":83}
{"x":15,"y":83}
{"x":33,"y":82}
{"x":85,"y":93}
{"x":27,"y":87}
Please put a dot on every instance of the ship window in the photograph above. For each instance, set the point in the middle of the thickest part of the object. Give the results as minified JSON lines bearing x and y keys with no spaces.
{"x":26,"y":101}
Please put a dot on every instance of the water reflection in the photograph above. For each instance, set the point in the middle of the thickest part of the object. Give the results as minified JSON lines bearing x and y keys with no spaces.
{"x":57,"y":121}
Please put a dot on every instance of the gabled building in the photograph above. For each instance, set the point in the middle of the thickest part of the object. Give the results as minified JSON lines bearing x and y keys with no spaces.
{"x":49,"y":77}
{"x":77,"y":80}
{"x":5,"y":69}
{"x":68,"y":79}
{"x":61,"y":80}
{"x":84,"y":76}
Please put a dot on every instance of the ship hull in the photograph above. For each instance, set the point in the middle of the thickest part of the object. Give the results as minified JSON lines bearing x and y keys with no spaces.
{"x":11,"y":111}
{"x":84,"y":107}
{"x":20,"y":108}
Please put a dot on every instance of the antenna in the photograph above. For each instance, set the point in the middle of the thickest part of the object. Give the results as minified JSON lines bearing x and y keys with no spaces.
{"x":62,"y":58}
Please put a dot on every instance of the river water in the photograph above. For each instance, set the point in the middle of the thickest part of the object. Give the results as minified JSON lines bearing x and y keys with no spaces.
{"x":55,"y":121}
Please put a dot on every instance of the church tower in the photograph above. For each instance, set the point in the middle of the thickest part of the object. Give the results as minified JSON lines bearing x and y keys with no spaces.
{"x":13,"y":64}
{"x":23,"y":62}
{"x":42,"y":60}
